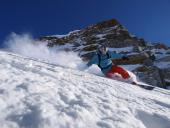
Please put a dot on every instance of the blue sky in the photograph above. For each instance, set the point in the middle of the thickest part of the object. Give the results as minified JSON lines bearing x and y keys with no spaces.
{"x":148,"y":19}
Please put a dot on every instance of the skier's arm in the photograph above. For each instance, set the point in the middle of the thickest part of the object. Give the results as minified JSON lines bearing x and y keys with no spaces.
{"x":118,"y":56}
{"x":115,"y":55}
{"x":94,"y":60}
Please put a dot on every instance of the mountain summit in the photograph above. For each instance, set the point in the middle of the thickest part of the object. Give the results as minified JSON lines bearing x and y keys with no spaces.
{"x":86,"y":40}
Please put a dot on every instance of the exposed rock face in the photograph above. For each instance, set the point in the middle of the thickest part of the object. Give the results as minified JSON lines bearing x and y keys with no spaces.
{"x":114,"y":35}
{"x":166,"y":76}
{"x":164,"y":64}
{"x":85,"y":41}
{"x":151,"y":75}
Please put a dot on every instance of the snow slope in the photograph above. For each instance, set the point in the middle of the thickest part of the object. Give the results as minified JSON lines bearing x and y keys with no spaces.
{"x":40,"y":95}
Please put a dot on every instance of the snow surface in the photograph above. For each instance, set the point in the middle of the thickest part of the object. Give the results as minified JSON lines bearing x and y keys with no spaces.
{"x":65,"y":35}
{"x":163,"y":65}
{"x":39,"y":95}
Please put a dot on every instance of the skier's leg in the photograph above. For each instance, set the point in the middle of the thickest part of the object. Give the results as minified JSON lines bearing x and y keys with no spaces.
{"x":111,"y":72}
{"x":119,"y":70}
{"x":122,"y":72}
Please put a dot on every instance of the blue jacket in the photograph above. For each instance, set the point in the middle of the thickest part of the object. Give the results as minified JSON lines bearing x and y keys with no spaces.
{"x":105,"y":61}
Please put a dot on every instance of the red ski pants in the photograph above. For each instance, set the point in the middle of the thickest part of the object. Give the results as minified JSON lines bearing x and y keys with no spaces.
{"x":119,"y":70}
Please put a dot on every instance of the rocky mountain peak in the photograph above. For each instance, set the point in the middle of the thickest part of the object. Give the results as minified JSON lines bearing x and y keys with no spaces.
{"x":109,"y":32}
{"x":104,"y":24}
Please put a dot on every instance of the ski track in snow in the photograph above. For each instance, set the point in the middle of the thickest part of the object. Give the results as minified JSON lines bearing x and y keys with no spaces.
{"x":38,"y":95}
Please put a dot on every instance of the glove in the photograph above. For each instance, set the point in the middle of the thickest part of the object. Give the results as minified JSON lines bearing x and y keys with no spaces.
{"x":152,"y":57}
{"x":125,"y":58}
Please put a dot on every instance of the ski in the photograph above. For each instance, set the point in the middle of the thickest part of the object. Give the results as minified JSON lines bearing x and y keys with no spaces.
{"x":147,"y":87}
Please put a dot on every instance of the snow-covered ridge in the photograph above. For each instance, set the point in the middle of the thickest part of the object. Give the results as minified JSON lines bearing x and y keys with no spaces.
{"x":64,"y":35}
{"x":40,"y":95}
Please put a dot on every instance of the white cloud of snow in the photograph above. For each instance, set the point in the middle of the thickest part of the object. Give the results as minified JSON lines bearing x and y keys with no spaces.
{"x":25,"y":45}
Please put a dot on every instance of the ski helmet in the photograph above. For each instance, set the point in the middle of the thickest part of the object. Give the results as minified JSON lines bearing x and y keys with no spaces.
{"x":102,"y":48}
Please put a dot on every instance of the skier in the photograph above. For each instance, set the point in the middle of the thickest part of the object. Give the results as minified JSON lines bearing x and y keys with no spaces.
{"x":103,"y":58}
